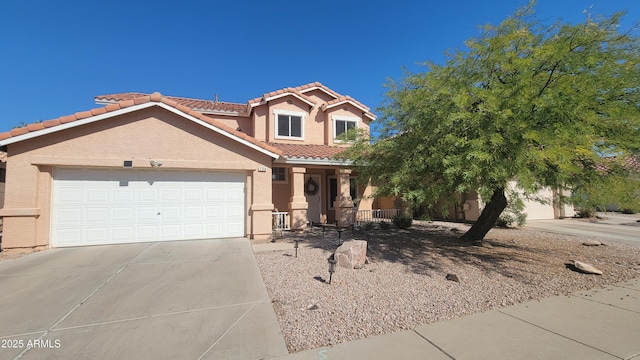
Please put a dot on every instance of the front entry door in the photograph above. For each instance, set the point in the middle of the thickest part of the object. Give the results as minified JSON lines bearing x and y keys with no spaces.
{"x":312,"y":193}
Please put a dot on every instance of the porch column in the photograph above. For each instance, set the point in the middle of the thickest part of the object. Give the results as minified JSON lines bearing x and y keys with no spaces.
{"x":259,"y":226}
{"x":344,"y":203}
{"x":298,"y":202}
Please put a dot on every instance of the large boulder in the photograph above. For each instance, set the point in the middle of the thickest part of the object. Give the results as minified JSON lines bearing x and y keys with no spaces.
{"x":586,"y":268}
{"x":352,"y":254}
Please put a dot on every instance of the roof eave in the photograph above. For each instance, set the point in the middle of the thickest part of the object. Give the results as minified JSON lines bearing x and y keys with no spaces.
{"x":265,"y":100}
{"x":365,"y":111}
{"x":129,"y":109}
{"x":314,"y":161}
{"x":321,"y":89}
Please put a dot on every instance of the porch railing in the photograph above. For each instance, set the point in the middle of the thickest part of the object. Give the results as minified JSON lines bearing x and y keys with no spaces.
{"x":281,"y":220}
{"x":362,"y":217}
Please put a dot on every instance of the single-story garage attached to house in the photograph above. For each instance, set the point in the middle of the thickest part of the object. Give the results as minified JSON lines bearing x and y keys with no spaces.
{"x":143,"y":170}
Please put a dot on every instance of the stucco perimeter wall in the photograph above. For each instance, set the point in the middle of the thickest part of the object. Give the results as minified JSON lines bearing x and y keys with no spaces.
{"x":147,"y":134}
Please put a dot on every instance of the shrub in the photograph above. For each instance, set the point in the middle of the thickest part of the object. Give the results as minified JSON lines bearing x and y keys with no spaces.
{"x":402,"y":221}
{"x":369,"y":226}
{"x":514,"y":213}
{"x":586,"y":213}
{"x":384,"y":225}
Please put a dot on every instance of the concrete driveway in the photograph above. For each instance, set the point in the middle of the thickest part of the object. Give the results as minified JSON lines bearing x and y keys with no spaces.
{"x":618,"y":228}
{"x":173,"y":300}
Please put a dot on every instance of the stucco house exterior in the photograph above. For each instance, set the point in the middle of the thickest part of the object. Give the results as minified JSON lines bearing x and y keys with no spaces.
{"x":148,"y":167}
{"x":544,"y":205}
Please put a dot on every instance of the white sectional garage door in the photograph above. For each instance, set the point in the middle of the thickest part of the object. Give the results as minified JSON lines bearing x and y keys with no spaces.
{"x":92,"y":206}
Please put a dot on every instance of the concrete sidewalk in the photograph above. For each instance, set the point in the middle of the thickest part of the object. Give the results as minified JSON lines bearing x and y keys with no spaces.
{"x":597,"y":324}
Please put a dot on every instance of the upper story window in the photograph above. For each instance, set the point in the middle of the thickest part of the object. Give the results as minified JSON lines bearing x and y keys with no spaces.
{"x":289,"y":124}
{"x":342,"y":125}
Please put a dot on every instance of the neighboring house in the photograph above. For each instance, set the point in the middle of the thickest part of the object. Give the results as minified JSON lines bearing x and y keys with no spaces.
{"x":544,"y":205}
{"x":153,"y":168}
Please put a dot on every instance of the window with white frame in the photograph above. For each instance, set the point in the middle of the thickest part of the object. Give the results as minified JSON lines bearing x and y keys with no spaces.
{"x":279,"y":175}
{"x":289,"y":124}
{"x":333,"y":190}
{"x":342,"y":125}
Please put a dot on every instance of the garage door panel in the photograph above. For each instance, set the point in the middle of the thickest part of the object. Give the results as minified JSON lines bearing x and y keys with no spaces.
{"x":147,"y":195}
{"x":233,"y":212}
{"x":194,"y":213}
{"x":214,"y":194}
{"x":214,"y":230}
{"x":194,"y":231}
{"x":171,"y":195}
{"x":99,"y":194}
{"x":213,"y":212}
{"x":122,"y":234}
{"x":147,"y":214}
{"x":122,"y":214}
{"x":123,"y":194}
{"x":70,"y":216}
{"x":97,"y":206}
{"x":193,"y":194}
{"x":69,"y":195}
{"x":96,"y":234}
{"x":233,"y":194}
{"x":234,"y":227}
{"x":171,"y":213}
{"x":147,"y":233}
{"x":100,"y":215}
{"x":170,"y":232}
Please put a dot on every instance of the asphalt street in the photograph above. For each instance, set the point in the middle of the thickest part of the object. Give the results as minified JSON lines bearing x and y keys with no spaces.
{"x":610,"y":227}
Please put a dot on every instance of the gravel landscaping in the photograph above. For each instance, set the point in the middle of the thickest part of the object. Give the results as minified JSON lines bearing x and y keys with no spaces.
{"x":404,"y":284}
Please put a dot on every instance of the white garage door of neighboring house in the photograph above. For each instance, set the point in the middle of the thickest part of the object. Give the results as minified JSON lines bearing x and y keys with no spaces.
{"x":95,"y":206}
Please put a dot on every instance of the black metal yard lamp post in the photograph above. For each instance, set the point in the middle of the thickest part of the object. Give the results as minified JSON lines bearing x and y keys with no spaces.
{"x":332,"y":266}
{"x":295,"y":246}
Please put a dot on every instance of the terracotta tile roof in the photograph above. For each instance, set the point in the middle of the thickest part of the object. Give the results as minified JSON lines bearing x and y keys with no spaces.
{"x":155,"y":97}
{"x":278,"y":93}
{"x":354,"y":102}
{"x":206,"y":106}
{"x":220,"y":107}
{"x":306,"y":151}
{"x":631,"y":164}
{"x":317,"y":85}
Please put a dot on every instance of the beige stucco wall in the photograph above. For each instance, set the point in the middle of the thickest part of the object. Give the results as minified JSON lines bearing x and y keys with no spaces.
{"x":152,"y":133}
{"x":534,"y":209}
{"x":240,"y":123}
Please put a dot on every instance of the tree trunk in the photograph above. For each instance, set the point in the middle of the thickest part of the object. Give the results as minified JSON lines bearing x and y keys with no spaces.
{"x":488,"y":217}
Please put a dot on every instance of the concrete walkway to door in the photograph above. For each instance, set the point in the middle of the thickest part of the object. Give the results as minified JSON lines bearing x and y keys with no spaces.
{"x":174,"y":300}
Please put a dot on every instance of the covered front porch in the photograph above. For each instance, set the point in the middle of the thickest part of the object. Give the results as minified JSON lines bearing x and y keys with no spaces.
{"x":307,"y":196}
{"x":303,"y":196}
{"x":310,"y":185}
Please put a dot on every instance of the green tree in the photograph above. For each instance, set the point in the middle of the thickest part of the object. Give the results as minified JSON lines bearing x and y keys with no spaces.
{"x":539,"y":104}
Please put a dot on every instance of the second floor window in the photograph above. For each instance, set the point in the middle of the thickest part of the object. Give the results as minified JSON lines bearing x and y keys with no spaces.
{"x":344,"y":125}
{"x":289,"y":125}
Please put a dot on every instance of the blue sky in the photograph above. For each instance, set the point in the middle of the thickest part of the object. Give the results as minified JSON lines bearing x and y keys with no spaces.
{"x":57,"y":55}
